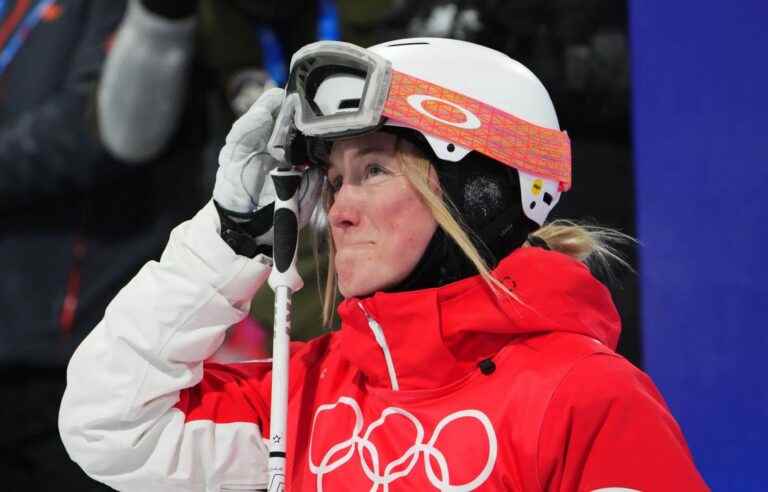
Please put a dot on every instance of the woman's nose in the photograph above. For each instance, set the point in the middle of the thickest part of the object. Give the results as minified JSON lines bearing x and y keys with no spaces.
{"x":345,"y":210}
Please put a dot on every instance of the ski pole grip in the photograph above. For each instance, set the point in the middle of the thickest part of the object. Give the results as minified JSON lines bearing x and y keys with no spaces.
{"x":286,"y":230}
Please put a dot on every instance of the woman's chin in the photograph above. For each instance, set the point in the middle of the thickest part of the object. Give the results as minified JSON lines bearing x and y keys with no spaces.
{"x":356,"y":285}
{"x":352,"y":288}
{"x":356,"y":277}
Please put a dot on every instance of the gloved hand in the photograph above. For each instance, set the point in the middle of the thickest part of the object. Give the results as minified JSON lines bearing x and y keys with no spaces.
{"x":244,"y":194}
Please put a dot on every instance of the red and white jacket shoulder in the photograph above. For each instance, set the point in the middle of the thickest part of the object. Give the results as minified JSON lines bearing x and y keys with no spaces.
{"x":127,"y":417}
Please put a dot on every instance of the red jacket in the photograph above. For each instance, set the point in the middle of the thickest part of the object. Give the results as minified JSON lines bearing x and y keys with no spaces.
{"x":450,"y":389}
{"x":485,"y":394}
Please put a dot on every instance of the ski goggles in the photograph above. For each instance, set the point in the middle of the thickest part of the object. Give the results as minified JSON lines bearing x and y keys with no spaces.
{"x":340,"y":90}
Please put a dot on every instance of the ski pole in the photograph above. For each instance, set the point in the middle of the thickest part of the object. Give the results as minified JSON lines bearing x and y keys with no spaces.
{"x":284,"y":281}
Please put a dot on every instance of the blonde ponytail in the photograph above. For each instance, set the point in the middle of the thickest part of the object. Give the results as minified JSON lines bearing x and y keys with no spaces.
{"x":598,"y":247}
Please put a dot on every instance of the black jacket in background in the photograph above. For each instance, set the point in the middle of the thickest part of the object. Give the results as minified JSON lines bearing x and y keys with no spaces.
{"x":62,"y":197}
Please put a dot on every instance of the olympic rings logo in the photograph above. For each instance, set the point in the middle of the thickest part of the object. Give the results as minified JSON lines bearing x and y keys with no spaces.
{"x":342,"y":452}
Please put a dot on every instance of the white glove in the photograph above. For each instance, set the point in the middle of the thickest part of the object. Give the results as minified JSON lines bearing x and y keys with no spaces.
{"x":243,"y":186}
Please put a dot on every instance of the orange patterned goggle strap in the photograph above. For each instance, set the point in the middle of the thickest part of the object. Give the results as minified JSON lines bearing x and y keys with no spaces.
{"x":468,"y":122}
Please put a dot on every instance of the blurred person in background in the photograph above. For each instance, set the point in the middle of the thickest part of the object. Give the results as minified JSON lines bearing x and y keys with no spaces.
{"x":177,"y":77}
{"x":64,"y":227}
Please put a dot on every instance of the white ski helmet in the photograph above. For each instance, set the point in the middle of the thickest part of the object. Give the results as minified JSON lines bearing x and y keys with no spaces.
{"x":460,"y":96}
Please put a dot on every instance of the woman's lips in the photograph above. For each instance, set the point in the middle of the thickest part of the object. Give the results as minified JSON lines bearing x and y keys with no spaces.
{"x":355,"y":244}
{"x":354,"y":250}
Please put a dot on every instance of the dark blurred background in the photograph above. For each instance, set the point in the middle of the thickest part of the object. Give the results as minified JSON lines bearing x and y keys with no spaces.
{"x":664,"y":102}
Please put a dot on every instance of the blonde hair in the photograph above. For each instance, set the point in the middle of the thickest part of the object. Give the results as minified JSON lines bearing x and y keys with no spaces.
{"x":591,"y":244}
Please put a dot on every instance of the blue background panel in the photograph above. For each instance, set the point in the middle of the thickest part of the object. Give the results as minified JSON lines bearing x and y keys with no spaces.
{"x":700,"y":116}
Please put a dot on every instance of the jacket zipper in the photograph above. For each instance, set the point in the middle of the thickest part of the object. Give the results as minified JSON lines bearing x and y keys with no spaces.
{"x":378,"y":334}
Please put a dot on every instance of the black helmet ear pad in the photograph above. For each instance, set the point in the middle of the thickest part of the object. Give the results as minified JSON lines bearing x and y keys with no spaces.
{"x":483,"y":197}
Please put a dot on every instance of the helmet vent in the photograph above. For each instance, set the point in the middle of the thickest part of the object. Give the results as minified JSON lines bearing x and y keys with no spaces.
{"x":406,"y":44}
{"x":451,"y":147}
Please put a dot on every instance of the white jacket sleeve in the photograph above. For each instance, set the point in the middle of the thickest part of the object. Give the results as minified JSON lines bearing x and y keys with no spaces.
{"x":118,"y":418}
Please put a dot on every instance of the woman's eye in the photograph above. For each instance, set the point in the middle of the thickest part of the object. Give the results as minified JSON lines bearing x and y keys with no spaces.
{"x":334,"y":184}
{"x":373,"y":170}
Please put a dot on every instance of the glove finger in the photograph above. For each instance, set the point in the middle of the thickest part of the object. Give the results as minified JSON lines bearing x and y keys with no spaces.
{"x":271,"y":100}
{"x":254,"y":178}
{"x":252,"y":130}
{"x":243,"y":161}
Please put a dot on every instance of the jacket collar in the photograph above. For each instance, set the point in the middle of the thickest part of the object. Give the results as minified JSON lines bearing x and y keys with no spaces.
{"x":431,"y":337}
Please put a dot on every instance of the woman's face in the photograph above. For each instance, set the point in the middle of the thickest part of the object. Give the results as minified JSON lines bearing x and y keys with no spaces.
{"x":379,"y":224}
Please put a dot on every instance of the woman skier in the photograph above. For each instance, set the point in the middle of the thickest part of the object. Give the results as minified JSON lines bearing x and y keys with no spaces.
{"x":476,"y":350}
